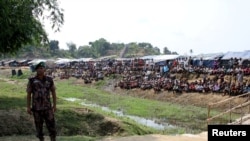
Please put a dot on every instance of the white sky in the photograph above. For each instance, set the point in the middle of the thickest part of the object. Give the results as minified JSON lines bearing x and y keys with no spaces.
{"x":205,"y":26}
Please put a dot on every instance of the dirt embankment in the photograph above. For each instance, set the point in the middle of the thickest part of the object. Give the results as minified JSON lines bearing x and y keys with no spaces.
{"x":155,"y":137}
{"x":195,"y":99}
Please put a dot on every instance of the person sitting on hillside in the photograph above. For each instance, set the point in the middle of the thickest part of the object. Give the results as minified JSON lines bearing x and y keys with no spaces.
{"x":226,"y":90}
{"x":192,"y":87}
{"x":233,"y":88}
{"x":177,"y":88}
{"x":199,"y":87}
{"x":206,"y":87}
{"x":216,"y":88}
{"x":246,"y":87}
{"x":240,"y":77}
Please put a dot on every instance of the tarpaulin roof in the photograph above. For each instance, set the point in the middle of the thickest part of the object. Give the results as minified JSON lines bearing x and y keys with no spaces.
{"x":62,"y":60}
{"x":158,"y":58}
{"x":36,"y":61}
{"x":243,"y":55}
{"x":211,"y":56}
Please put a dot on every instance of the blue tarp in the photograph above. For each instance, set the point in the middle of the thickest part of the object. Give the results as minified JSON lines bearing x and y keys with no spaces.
{"x":243,"y":55}
{"x":206,"y":63}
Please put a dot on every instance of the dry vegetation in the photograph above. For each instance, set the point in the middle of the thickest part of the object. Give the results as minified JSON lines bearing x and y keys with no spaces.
{"x":196,"y":99}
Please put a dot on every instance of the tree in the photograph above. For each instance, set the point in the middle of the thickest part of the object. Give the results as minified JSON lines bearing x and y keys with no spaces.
{"x":145,"y":45}
{"x":100,"y":47}
{"x":21,"y":22}
{"x":54,"y":45}
{"x":157,"y":50}
{"x":84,"y":51}
{"x":166,"y":51}
{"x":174,"y":52}
{"x":72,"y":49}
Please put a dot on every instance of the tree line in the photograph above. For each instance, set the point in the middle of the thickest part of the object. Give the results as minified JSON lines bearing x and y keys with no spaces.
{"x":95,"y":49}
{"x":23,"y":35}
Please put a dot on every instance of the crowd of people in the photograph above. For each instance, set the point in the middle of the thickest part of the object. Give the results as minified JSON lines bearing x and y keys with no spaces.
{"x":173,"y":76}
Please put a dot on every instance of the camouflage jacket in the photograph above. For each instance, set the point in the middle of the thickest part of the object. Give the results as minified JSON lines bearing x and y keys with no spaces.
{"x":40,"y":90}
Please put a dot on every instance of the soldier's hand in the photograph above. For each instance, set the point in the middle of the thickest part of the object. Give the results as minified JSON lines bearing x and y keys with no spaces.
{"x":29,"y":111}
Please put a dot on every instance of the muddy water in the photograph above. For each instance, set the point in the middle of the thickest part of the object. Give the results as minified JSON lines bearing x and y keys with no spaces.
{"x":143,"y":121}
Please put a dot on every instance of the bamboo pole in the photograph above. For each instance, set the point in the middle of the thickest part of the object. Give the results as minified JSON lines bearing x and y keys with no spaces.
{"x":220,"y":102}
{"x":249,"y":105}
{"x":212,"y":104}
{"x":208,"y":113}
{"x":239,"y":106}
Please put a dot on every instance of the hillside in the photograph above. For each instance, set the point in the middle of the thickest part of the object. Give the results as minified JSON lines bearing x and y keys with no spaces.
{"x":184,"y":99}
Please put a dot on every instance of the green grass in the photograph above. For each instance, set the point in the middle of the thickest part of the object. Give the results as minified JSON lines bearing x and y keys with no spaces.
{"x":182,"y":115}
{"x":70,"y":121}
{"x":190,"y":119}
{"x":60,"y":138}
{"x":12,"y":95}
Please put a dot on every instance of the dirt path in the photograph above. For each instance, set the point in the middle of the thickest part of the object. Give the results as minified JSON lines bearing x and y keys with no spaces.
{"x":156,"y":137}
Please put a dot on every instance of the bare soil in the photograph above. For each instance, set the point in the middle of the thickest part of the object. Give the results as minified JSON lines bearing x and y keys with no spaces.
{"x":156,"y":137}
{"x":196,"y":99}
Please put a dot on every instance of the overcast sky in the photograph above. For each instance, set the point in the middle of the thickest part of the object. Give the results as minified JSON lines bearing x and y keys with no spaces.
{"x":205,"y":26}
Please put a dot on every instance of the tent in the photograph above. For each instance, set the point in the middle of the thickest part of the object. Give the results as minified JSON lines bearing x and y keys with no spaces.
{"x":158,"y":58}
{"x":36,"y":61}
{"x":243,"y":55}
{"x":208,"y":59}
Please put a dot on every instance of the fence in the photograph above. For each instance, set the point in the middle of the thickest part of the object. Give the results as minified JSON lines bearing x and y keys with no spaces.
{"x":243,"y":109}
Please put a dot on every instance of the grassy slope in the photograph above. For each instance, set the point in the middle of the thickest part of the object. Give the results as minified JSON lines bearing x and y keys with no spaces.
{"x":72,"y":119}
{"x":12,"y":97}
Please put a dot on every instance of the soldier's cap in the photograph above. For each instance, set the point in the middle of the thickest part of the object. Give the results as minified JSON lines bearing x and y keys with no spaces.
{"x":40,"y":64}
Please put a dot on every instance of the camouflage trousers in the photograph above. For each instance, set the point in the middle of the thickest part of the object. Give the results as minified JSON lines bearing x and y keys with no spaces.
{"x":46,"y":116}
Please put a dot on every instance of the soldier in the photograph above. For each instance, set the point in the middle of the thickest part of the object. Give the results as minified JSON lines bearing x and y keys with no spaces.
{"x":39,"y":105}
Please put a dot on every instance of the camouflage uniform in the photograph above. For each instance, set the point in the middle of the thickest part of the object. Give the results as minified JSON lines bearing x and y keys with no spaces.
{"x":41,"y":104}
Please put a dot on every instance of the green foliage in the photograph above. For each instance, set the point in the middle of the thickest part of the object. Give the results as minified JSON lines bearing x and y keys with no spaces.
{"x":12,"y":95}
{"x":54,"y":46}
{"x":98,"y":48}
{"x":85,"y":51}
{"x":100,"y":83}
{"x":178,"y":114}
{"x":21,"y":22}
{"x":72,"y":49}
{"x":76,"y":119}
{"x":72,"y":119}
{"x":166,"y":51}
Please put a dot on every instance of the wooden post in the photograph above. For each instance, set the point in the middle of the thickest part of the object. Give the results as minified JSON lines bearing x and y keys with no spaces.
{"x":208,"y":113}
{"x":230,"y":113}
{"x":241,"y":115}
{"x":249,"y":104}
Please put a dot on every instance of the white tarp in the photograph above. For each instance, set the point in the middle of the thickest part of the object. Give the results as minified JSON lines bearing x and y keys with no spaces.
{"x":67,"y":60}
{"x":211,"y":56}
{"x":84,"y":59}
{"x":62,"y":61}
{"x":157,"y":58}
{"x":36,"y":61}
{"x":243,"y":55}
